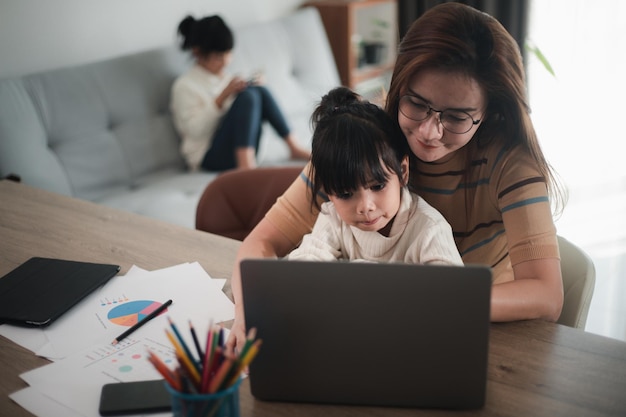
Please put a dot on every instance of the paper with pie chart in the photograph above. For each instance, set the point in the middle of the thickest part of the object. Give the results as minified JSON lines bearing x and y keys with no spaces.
{"x":125,"y":300}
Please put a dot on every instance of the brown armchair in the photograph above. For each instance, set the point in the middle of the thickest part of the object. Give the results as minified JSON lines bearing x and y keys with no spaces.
{"x":233,"y":203}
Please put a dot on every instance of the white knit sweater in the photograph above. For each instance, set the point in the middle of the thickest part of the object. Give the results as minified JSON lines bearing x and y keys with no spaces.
{"x":419,"y":234}
{"x":195,"y":114}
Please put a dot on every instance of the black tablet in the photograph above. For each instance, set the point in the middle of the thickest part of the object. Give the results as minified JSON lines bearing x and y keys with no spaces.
{"x":41,"y":289}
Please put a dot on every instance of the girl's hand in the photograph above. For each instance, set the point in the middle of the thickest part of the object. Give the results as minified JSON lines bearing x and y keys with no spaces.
{"x":237,"y":336}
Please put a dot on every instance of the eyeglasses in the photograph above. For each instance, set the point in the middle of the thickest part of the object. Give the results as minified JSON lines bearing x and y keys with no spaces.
{"x":454,"y":121}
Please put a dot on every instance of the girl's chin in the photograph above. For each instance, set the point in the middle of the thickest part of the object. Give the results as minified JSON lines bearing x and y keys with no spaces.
{"x":369,"y":227}
{"x":377,"y":227}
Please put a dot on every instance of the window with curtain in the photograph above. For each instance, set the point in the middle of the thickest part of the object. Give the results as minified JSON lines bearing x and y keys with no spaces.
{"x":578,"y":112}
{"x":578,"y":116}
{"x":579,"y":119}
{"x":513,"y":14}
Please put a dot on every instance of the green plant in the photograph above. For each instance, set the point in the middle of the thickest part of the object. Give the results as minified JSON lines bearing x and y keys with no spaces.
{"x":534,"y":50}
{"x":380,"y":26}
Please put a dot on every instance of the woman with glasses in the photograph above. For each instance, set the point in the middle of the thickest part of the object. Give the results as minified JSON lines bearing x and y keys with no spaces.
{"x":458,"y":94}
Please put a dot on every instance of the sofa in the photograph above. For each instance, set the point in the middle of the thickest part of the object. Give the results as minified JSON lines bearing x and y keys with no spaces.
{"x":103,"y":131}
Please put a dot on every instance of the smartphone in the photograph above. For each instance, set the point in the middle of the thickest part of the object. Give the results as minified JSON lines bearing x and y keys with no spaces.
{"x":138,"y":397}
{"x":255,"y":77}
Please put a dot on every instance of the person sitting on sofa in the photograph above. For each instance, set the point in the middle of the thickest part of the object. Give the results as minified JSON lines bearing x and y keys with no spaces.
{"x":219,"y":116}
{"x":360,"y":160}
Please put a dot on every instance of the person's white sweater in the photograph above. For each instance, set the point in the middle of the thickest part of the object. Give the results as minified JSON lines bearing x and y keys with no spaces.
{"x":195,"y":114}
{"x":419,"y":234}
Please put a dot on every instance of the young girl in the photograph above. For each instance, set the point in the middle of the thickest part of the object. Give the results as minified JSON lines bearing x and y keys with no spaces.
{"x":360,"y":161}
{"x":219,"y":116}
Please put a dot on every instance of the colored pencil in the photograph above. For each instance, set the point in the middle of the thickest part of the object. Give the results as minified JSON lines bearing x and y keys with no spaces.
{"x":244,"y":361}
{"x":183,"y":358}
{"x":196,"y":342}
{"x":167,"y":373}
{"x":249,"y":340}
{"x":221,"y":374}
{"x":208,"y":358}
{"x":216,"y":369}
{"x":183,"y":344}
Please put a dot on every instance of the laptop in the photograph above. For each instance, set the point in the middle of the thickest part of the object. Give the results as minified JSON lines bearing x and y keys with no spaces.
{"x":379,"y":334}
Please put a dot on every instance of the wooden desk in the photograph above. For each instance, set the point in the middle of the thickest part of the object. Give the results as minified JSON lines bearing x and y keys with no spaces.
{"x":535,"y":368}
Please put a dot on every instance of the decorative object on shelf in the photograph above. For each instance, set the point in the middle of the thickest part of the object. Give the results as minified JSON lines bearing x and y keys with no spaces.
{"x":357,"y":49}
{"x":351,"y":27}
{"x":374,"y":52}
{"x":374,"y":49}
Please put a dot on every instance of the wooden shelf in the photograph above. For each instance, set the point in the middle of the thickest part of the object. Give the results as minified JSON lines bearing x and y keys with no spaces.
{"x":348,"y":23}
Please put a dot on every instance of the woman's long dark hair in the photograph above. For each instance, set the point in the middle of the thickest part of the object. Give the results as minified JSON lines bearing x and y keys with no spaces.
{"x":456,"y":38}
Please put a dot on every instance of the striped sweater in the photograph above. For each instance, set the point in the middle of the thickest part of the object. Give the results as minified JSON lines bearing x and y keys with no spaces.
{"x":499,"y":210}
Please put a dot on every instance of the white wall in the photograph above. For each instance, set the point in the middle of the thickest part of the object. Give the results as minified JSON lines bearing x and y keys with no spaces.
{"x":37,"y":35}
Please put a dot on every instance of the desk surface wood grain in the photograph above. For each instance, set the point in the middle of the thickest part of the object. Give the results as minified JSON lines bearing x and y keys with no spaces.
{"x":535,"y":368}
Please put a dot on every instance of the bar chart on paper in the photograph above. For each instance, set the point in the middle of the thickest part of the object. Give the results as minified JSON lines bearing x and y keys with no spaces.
{"x":132,"y":312}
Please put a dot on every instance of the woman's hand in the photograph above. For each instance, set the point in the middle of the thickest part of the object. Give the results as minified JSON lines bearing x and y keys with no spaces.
{"x":235,"y":85}
{"x":257,"y":78}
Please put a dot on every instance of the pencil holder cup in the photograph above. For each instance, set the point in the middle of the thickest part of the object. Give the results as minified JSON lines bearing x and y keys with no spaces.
{"x":223,"y":403}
